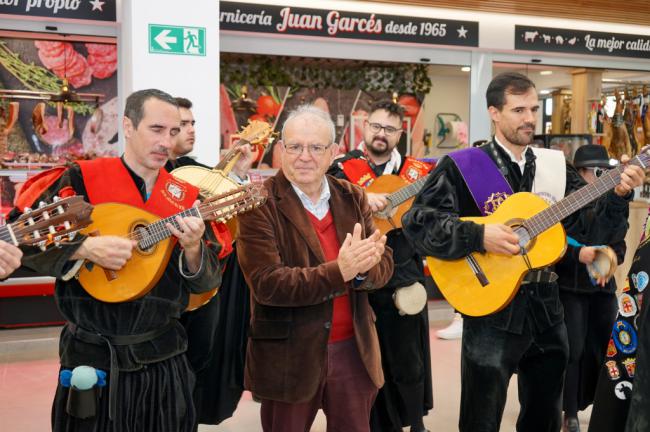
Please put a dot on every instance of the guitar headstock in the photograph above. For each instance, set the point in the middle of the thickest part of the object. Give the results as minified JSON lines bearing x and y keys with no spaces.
{"x":52,"y":223}
{"x":257,"y":132}
{"x":229,"y":204}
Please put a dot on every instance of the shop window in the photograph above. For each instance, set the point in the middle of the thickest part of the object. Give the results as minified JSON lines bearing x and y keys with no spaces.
{"x":435,"y":98}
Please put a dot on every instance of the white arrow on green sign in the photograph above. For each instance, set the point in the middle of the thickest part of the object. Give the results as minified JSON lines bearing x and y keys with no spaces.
{"x":168,"y":39}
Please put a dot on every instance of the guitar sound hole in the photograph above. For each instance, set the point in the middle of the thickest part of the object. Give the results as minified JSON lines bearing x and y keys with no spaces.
{"x":525,"y":242}
{"x":146,"y":245}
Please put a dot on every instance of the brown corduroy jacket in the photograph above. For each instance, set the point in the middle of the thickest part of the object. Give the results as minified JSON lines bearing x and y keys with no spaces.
{"x":292,"y":291}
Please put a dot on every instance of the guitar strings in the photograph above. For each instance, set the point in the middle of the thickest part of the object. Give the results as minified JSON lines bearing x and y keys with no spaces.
{"x":158,"y":230}
{"x":574,"y":201}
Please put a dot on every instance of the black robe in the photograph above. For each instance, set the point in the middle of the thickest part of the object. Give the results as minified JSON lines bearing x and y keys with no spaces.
{"x":217,"y":335}
{"x":151,"y":371}
{"x":623,"y":392}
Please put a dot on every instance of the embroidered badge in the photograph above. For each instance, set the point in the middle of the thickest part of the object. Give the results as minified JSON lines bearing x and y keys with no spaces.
{"x":365,"y":180}
{"x":642,"y":280}
{"x":630,"y":366}
{"x":494,"y":201}
{"x":623,"y":390}
{"x":612,"y":370}
{"x":625,"y":337}
{"x":626,"y":305}
{"x":412,"y":174}
{"x":611,"y":348}
{"x":175,"y":190}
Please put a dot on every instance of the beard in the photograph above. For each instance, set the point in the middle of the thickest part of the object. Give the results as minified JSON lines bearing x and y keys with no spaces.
{"x":378,"y":151}
{"x":519,"y":138}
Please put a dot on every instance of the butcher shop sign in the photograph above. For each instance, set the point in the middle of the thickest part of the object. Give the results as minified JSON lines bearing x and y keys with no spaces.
{"x":339,"y":24}
{"x":93,"y":10}
{"x":581,"y":42}
{"x":168,"y":39}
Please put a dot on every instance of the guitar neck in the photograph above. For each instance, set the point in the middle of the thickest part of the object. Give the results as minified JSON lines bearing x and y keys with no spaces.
{"x":5,"y":235}
{"x":218,"y":207}
{"x":405,"y":193}
{"x":158,"y":230}
{"x":578,"y":199}
{"x":230,"y":159}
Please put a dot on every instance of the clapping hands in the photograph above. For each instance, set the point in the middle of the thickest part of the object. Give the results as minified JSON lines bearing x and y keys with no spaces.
{"x":358,"y":255}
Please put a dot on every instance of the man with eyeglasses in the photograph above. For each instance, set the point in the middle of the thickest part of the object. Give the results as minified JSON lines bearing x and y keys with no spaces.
{"x":404,"y":339}
{"x":589,"y":304}
{"x":310,"y":255}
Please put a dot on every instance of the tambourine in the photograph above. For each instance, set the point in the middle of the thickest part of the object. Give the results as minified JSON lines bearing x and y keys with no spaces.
{"x":604,"y":264}
{"x":411,"y":299}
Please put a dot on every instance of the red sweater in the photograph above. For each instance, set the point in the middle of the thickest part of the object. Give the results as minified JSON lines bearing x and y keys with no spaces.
{"x":342,"y":326}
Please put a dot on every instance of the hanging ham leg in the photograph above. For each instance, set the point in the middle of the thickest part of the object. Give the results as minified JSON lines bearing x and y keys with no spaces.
{"x":8,"y":115}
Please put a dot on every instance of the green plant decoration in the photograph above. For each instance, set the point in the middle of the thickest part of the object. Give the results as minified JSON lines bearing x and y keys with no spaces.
{"x":321,"y":73}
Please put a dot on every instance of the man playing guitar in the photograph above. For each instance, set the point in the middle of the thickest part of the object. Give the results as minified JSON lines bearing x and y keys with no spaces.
{"x":528,"y":335}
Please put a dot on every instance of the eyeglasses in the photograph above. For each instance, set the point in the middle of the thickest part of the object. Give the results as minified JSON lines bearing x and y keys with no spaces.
{"x":313,"y":149}
{"x":388,"y":130}
{"x":598,"y":171}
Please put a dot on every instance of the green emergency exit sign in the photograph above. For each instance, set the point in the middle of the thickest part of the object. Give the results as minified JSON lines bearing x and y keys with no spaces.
{"x":168,"y":39}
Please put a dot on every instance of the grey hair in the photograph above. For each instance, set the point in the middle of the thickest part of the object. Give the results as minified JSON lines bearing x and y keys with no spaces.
{"x":307,"y":109}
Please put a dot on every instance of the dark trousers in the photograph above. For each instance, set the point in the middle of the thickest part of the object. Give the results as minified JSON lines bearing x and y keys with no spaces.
{"x":346,"y":395}
{"x":589,"y":319}
{"x":490,"y":356}
{"x":404,"y":341}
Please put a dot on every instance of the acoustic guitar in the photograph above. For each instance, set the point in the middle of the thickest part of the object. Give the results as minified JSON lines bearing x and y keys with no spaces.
{"x":401,"y":195}
{"x":151,"y":255}
{"x":49,"y":224}
{"x":482,"y":284}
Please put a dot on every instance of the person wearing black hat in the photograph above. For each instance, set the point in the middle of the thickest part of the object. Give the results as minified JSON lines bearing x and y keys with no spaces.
{"x":589,"y":303}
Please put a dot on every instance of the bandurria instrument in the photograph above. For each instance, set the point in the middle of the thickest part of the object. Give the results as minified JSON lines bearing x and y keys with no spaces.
{"x":481,"y":284}
{"x":49,"y":224}
{"x":154,"y":248}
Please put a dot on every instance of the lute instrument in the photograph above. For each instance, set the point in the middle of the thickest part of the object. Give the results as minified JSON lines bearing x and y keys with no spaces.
{"x":215,"y":181}
{"x":482,"y":284}
{"x":154,"y":241}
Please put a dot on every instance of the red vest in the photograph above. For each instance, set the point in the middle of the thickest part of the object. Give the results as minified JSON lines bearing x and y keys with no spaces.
{"x":342,"y":323}
{"x":108,"y":180}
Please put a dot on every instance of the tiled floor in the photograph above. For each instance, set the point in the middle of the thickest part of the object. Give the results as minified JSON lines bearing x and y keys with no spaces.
{"x":28,"y":374}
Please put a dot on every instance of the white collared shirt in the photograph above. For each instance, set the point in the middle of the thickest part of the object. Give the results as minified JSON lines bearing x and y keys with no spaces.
{"x":522,"y":162}
{"x":322,"y":206}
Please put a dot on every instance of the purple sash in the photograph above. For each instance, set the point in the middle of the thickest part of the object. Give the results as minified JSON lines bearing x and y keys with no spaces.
{"x":484,"y":180}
